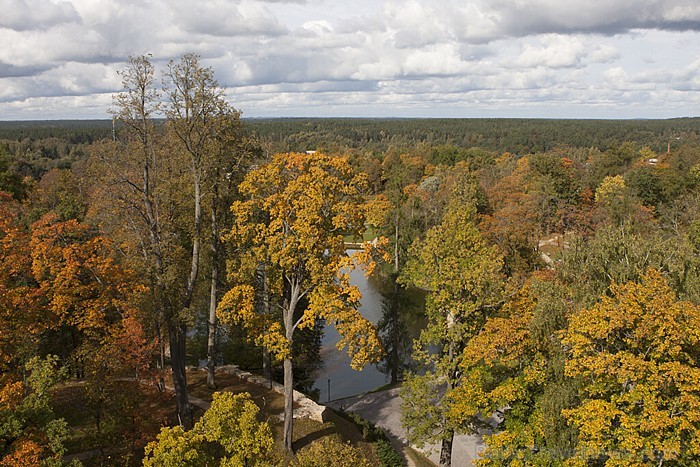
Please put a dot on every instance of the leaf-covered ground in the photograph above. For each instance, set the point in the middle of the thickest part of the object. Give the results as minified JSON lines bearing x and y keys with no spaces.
{"x":121,"y":439}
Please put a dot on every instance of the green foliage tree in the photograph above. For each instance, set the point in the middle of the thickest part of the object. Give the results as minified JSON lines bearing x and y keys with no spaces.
{"x":622,"y":254}
{"x":207,"y":130}
{"x":646,"y":185}
{"x":163,"y":180}
{"x":463,"y":277}
{"x":30,"y":433}
{"x":59,"y":191}
{"x":10,"y":181}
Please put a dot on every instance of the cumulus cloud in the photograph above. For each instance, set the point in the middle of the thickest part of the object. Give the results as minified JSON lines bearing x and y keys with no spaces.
{"x":519,"y":18}
{"x":224,"y":18}
{"x":22,"y":15}
{"x":553,"y":51}
{"x":605,"y":54}
{"x":386,"y":57}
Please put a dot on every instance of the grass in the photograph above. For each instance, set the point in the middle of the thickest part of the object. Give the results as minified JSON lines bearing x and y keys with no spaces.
{"x":122,"y":440}
{"x":386,"y":387}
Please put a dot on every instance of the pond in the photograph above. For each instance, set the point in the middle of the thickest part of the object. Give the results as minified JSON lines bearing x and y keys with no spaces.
{"x":344,"y":381}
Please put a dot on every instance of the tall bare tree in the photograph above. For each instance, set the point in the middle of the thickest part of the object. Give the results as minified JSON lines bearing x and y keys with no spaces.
{"x":208,"y":131}
{"x":164,"y":178}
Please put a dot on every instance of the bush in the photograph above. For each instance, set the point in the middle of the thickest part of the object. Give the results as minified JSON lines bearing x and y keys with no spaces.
{"x":373,"y":434}
{"x":329,"y":450}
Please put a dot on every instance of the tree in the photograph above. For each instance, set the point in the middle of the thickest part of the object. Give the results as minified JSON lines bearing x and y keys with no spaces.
{"x":163,"y":183}
{"x":514,"y":368}
{"x":10,"y":181}
{"x":402,"y":212}
{"x":22,"y":319}
{"x":463,"y":277}
{"x":646,"y":184}
{"x":228,"y":434}
{"x":208,"y":131}
{"x":296,"y":212}
{"x":58,"y":191}
{"x":622,"y":254}
{"x":135,"y":174}
{"x":30,"y":433}
{"x":85,"y":291}
{"x":512,"y":221}
{"x":636,"y":355}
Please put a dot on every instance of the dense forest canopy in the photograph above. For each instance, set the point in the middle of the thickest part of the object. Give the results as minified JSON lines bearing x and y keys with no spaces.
{"x":516,"y":135}
{"x":520,"y":136}
{"x":554,"y":264}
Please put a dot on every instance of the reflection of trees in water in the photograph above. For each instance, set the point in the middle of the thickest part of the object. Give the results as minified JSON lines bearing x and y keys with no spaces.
{"x":398,"y":326}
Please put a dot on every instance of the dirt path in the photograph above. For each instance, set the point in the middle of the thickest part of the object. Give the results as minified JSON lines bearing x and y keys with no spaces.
{"x":201,"y":403}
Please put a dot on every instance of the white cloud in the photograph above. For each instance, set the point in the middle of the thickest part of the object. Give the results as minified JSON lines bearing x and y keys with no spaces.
{"x":553,"y":51}
{"x":441,"y":59}
{"x":21,"y":15}
{"x":224,"y":18}
{"x":605,"y":54}
{"x":386,"y":57}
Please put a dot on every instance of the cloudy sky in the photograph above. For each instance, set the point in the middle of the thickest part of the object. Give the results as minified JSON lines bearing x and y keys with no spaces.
{"x":374,"y":58}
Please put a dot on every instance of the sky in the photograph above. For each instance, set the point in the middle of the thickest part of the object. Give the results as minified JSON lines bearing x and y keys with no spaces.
{"x":364,"y":58}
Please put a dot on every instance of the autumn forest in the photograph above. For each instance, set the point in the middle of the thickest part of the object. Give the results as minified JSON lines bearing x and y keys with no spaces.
{"x":554,"y":266}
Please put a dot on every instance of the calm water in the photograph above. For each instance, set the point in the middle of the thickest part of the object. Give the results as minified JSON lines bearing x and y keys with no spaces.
{"x":345,"y":381}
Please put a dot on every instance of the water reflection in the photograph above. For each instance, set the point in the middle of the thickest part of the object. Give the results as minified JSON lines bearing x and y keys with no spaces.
{"x":344,"y":381}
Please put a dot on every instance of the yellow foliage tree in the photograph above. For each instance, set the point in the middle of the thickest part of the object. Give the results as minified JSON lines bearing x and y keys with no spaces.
{"x":228,"y":434}
{"x":297,"y":210}
{"x":636,"y":354}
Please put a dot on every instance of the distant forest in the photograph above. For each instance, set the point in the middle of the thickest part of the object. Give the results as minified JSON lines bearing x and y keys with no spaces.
{"x":517,"y":136}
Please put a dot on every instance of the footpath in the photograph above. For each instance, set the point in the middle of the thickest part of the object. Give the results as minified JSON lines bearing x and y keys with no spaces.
{"x":383,"y":408}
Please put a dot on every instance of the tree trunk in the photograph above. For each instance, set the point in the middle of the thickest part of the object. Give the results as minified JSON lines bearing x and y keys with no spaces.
{"x":211,"y":341}
{"x":446,"y":447}
{"x":197,"y":228}
{"x":288,"y":404}
{"x":395,"y":338}
{"x":178,"y":333}
{"x":396,"y":242}
{"x":288,"y":317}
{"x":446,"y":450}
{"x":161,"y":356}
{"x":267,"y":360}
{"x":267,"y":365}
{"x":394,"y":329}
{"x":178,"y":330}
